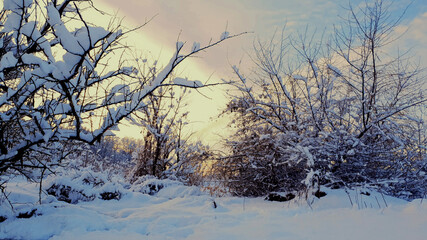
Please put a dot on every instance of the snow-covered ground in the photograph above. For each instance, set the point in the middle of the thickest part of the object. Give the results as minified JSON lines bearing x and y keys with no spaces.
{"x":180,"y":212}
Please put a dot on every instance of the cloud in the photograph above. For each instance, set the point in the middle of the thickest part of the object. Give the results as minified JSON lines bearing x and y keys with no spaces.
{"x":203,"y":20}
{"x":414,"y":37}
{"x":418,"y":29}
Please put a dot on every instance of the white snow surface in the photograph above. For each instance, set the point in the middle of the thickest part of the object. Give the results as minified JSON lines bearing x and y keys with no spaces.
{"x":180,"y":212}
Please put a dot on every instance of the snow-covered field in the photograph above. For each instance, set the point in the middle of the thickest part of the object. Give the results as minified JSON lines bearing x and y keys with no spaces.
{"x":180,"y":212}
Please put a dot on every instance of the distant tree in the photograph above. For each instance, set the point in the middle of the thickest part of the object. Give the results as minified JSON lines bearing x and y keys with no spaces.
{"x":116,"y":149}
{"x":162,"y":120}
{"x":166,"y":149}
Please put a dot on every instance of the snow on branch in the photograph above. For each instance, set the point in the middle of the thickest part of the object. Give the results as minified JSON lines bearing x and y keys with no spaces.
{"x":187,"y":83}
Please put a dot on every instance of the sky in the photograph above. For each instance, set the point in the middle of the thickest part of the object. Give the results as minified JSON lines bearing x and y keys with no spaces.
{"x":203,"y":20}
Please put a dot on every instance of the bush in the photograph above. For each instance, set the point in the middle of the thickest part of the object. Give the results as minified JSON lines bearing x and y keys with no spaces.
{"x":83,"y":185}
{"x":341,"y":114}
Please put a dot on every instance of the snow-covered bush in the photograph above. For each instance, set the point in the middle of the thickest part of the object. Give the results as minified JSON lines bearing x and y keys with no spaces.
{"x":72,"y":186}
{"x":68,"y":194}
{"x":261,"y":161}
{"x":165,"y":188}
{"x":337,"y":114}
{"x":151,"y":185}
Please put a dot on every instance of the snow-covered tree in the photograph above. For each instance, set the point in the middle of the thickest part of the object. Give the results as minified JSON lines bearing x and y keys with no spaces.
{"x":384,"y":93}
{"x":340,"y":112}
{"x":63,"y":78}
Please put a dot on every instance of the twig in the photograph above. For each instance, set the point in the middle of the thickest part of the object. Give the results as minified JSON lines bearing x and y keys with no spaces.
{"x":382,"y":195}
{"x":6,"y":196}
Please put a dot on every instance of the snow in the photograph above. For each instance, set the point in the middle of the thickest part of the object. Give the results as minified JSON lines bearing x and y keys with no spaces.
{"x":180,"y":212}
{"x":16,"y":5}
{"x":264,"y":136}
{"x":77,"y":42}
{"x":241,"y":77}
{"x":196,"y":47}
{"x":8,"y":60}
{"x":224,"y":35}
{"x":30,"y":30}
{"x":335,"y":70}
{"x":187,"y":83}
{"x":299,"y":77}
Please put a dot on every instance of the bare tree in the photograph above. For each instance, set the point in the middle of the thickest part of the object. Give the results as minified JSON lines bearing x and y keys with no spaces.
{"x":167,"y":149}
{"x":162,"y":120}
